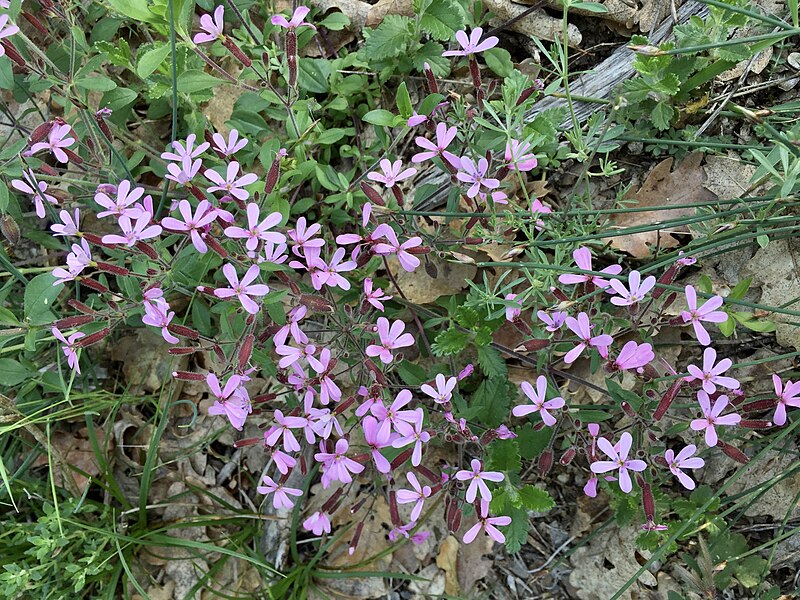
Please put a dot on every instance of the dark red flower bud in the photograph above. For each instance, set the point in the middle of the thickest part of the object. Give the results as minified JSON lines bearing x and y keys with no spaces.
{"x":488,"y":436}
{"x":433,"y":87}
{"x":667,"y":399}
{"x":372,"y":194}
{"x":180,"y":350}
{"x":218,"y":351}
{"x":559,"y":294}
{"x":41,"y":132}
{"x":545,"y":462}
{"x":236,"y":51}
{"x":188,"y":376}
{"x":501,"y":173}
{"x":284,"y":278}
{"x":759,"y":406}
{"x":12,"y":53}
{"x":75,"y":321}
{"x":10,"y":229}
{"x":92,"y":284}
{"x":354,"y":509}
{"x":379,"y":377}
{"x":532,"y":345}
{"x":197,"y":192}
{"x":183,"y":331}
{"x":526,"y":93}
{"x":733,"y":452}
{"x":93,"y":338}
{"x":317,"y":303}
{"x":567,"y":457}
{"x":401,"y":458}
{"x":758,"y":424}
{"x":430,"y":475}
{"x":303,"y":465}
{"x":648,"y":503}
{"x":147,"y":249}
{"x":343,"y":406}
{"x":661,"y":461}
{"x":456,"y":524}
{"x":332,"y":502}
{"x":246,"y":351}
{"x":109,"y":268}
{"x":73,"y":158}
{"x":274,"y":171}
{"x":628,"y":409}
{"x":214,"y":245}
{"x":247,"y":442}
{"x":81,"y":307}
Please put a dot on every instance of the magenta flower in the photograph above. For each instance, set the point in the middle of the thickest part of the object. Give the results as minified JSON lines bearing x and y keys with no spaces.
{"x":553,"y":320}
{"x":297,"y":20}
{"x":256,"y":231}
{"x":417,"y":495}
{"x":539,"y":402}
{"x":374,"y":296}
{"x":280,"y":493}
{"x":303,"y":237}
{"x":69,"y":348}
{"x":394,"y":416}
{"x":477,"y":478}
{"x":684,"y":460}
{"x":706,"y":312}
{"x":472,"y":44}
{"x":231,"y":146}
{"x":134,"y":232}
{"x":283,"y":429}
{"x":408,"y":261}
{"x":6,"y":29}
{"x":392,"y":173}
{"x":634,"y":356}
{"x":330,"y":273}
{"x":58,"y":138}
{"x":37,"y":189}
{"x":711,"y":375}
{"x":122,"y":204}
{"x":619,"y":460}
{"x":583,"y":330}
{"x":475,"y":175}
{"x":391,"y":338}
{"x":232,"y":184}
{"x":444,"y":389}
{"x":228,"y":400}
{"x":444,"y":137}
{"x":158,"y":314}
{"x":537,"y":208}
{"x":242,"y":289}
{"x":186,"y":153}
{"x":317,"y":523}
{"x":322,"y":367}
{"x":193,"y":224}
{"x":212,"y":28}
{"x":788,"y":395}
{"x":517,"y":156}
{"x":336,"y":466}
{"x":487,"y":524}
{"x":412,"y":435}
{"x":583,"y":259}
{"x":70,"y":223}
{"x":513,"y":310}
{"x":634,"y":293}
{"x":711,"y":417}
{"x":377,"y":438}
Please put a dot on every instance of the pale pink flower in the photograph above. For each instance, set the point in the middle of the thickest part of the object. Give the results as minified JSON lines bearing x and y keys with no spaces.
{"x":122,"y":204}
{"x":317,"y":523}
{"x":514,"y":309}
{"x":69,"y":348}
{"x":517,"y":156}
{"x":133,"y":232}
{"x":707,"y":312}
{"x":377,"y":438}
{"x":303,"y":237}
{"x":212,"y":28}
{"x":444,"y":137}
{"x":416,"y":119}
{"x":537,"y":208}
{"x":391,"y":338}
{"x":322,"y":367}
{"x":336,"y":465}
{"x":487,"y":524}
{"x":228,"y":401}
{"x":77,"y":261}
{"x":539,"y":402}
{"x":283,"y":429}
{"x":6,"y":29}
{"x":183,"y":172}
{"x":70,"y":223}
{"x":231,"y":146}
{"x":392,"y":173}
{"x":185,"y":152}
{"x":477,"y":478}
{"x":412,"y":435}
{"x":788,"y":395}
{"x":417,"y":495}
{"x":374,"y":296}
{"x":158,"y":314}
{"x":193,"y":224}
{"x":553,"y":320}
{"x":443,"y":391}
{"x":297,"y":20}
{"x":634,"y":293}
{"x":619,"y":460}
{"x":472,"y":44}
{"x":713,"y":417}
{"x":37,"y":189}
{"x":685,"y":459}
{"x":634,"y":356}
{"x":583,"y":258}
{"x":242,"y":289}
{"x":58,"y":139}
{"x":232,"y":184}
{"x":394,"y":416}
{"x":280,"y":493}
{"x":475,"y":175}
{"x":257,"y":231}
{"x":408,"y":261}
{"x":582,"y":328}
{"x":711,"y":375}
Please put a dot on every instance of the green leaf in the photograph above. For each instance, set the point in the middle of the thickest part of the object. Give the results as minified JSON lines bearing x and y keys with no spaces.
{"x":404,"y":101}
{"x":727,"y":327}
{"x":738,"y":292}
{"x":380,"y":117}
{"x":12,"y":372}
{"x":40,"y":293}
{"x":151,"y":60}
{"x":491,"y":362}
{"x":119,"y":98}
{"x":662,"y":116}
{"x":532,"y":442}
{"x":517,"y":532}
{"x":442,"y":18}
{"x":622,"y":395}
{"x":312,"y":75}
{"x":491,"y":401}
{"x":195,"y":80}
{"x":411,"y":374}
{"x":335,"y":21}
{"x":136,"y":10}
{"x":3,"y":197}
{"x":499,"y":61}
{"x":592,"y":7}
{"x":536,"y":499}
{"x":331,"y":136}
{"x":6,"y":75}
{"x":504,"y":456}
{"x":95,"y":84}
{"x":389,"y":39}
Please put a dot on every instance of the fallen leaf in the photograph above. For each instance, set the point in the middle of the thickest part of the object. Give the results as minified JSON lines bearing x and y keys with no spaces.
{"x":727,"y":177}
{"x":77,"y":451}
{"x":420,"y":288}
{"x":382,"y":8}
{"x":447,"y":560}
{"x":355,"y":10}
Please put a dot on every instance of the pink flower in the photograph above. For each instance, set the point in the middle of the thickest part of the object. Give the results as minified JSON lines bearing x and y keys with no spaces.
{"x":183,"y":172}
{"x":514,"y":309}
{"x":69,"y":347}
{"x":475,"y":175}
{"x":706,"y":312}
{"x":186,"y":153}
{"x":371,"y":398}
{"x":158,"y":314}
{"x":242,"y":289}
{"x":788,"y":395}
{"x":634,"y":356}
{"x":539,"y":402}
{"x":212,"y":27}
{"x":77,"y":261}
{"x":281,"y":493}
{"x":553,"y":320}
{"x":391,"y":338}
{"x":303,"y":237}
{"x":37,"y":189}
{"x":336,"y":466}
{"x":497,"y":197}
{"x":711,"y":417}
{"x":195,"y":224}
{"x":685,"y":261}
{"x":583,"y":258}
{"x":256,"y":231}
{"x":6,"y":29}
{"x":417,"y":495}
{"x":229,"y":401}
{"x":134,"y":232}
{"x":477,"y":478}
{"x":70,"y":223}
{"x":58,"y":139}
{"x":298,"y":19}
{"x":684,"y":460}
{"x":711,"y":375}
{"x":392,"y":173}
{"x":408,"y":261}
{"x":444,"y":137}
{"x":412,"y":435}
{"x":638,"y":289}
{"x":377,"y":438}
{"x":472,"y":44}
{"x":231,"y":146}
{"x":294,"y":317}
{"x":487,"y":524}
{"x":444,"y":389}
{"x":330,"y":273}
{"x":232,"y":184}
{"x":416,"y":119}
{"x":619,"y":460}
{"x":517,"y":156}
{"x":322,"y":367}
{"x":122,"y":204}
{"x":590,"y":489}
{"x":374,"y":296}
{"x":317,"y":523}
{"x":583,"y":329}
{"x":393,"y":416}
{"x":284,"y":429}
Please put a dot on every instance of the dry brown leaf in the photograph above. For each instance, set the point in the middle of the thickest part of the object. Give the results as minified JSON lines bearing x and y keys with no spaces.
{"x":727,"y":177}
{"x":77,"y":451}
{"x":472,"y":564}
{"x":421,"y":288}
{"x":447,"y":560}
{"x":382,"y":8}
{"x":663,"y":186}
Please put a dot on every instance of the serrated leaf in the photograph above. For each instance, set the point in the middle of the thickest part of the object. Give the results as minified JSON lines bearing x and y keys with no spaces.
{"x":389,"y":39}
{"x":491,"y":362}
{"x":535,"y":499}
{"x":431,"y":53}
{"x":532,"y":442}
{"x":442,"y":18}
{"x":662,"y":116}
{"x":449,"y":342}
{"x":517,"y":532}
{"x":492,"y":401}
{"x":504,"y":456}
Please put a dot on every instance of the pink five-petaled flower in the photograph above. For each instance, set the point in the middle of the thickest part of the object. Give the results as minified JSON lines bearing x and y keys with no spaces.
{"x":373,"y":295}
{"x":122,"y":204}
{"x":377,"y":438}
{"x":337,"y":466}
{"x":488,"y":524}
{"x":228,"y":401}
{"x":69,"y":347}
{"x":232,"y":184}
{"x":392,"y":173}
{"x":412,"y":435}
{"x":193,"y":224}
{"x":330,"y":273}
{"x":391,"y":338}
{"x":303,"y":237}
{"x":475,"y":175}
{"x":257,"y":231}
{"x":297,"y":20}
{"x":444,"y":389}
{"x":185,"y":153}
{"x":583,"y":258}
{"x":393,"y":416}
{"x":539,"y":402}
{"x":634,"y":356}
{"x":58,"y":139}
{"x":634,"y":293}
{"x":711,"y":417}
{"x":553,"y":320}
{"x":70,"y":223}
{"x":477,"y":478}
{"x":444,"y":137}
{"x":212,"y":28}
{"x":517,"y":156}
{"x":711,"y":374}
{"x":707,"y":312}
{"x":583,"y":330}
{"x":242,"y":289}
{"x":328,"y":390}
{"x":408,"y":261}
{"x":685,"y":459}
{"x":231,"y":146}
{"x":472,"y":44}
{"x":788,"y":395}
{"x":134,"y":232}
{"x":158,"y":314}
{"x":513,"y":310}
{"x":284,"y":429}
{"x":317,"y":523}
{"x":280,"y":493}
{"x":417,"y":495}
{"x":37,"y":189}
{"x":619,"y":460}
{"x":77,"y":261}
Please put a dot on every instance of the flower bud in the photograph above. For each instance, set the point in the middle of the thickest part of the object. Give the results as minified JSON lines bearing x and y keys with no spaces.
{"x":81,"y":307}
{"x":393,"y":512}
{"x":109,"y":268}
{"x":10,"y":229}
{"x":93,"y":338}
{"x":648,"y":503}
{"x":759,"y":406}
{"x":317,"y":303}
{"x":180,"y":350}
{"x":188,"y":376}
{"x":757,"y":424}
{"x":545,"y":462}
{"x":183,"y":331}
{"x":401,"y":458}
{"x":246,"y":442}
{"x":733,"y":452}
{"x":667,"y":399}
{"x":433,"y":87}
{"x":92,"y":284}
{"x":567,"y":457}
{"x":214,"y":245}
{"x":274,"y":171}
{"x":245,"y":351}
{"x":236,"y":51}
{"x":532,"y":345}
{"x":372,"y":194}
{"x":40,"y":133}
{"x":75,"y":321}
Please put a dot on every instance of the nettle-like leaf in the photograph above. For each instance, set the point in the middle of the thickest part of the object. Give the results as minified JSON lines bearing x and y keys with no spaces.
{"x":492,"y":401}
{"x":442,"y":18}
{"x":491,"y":362}
{"x":390,"y":39}
{"x":662,"y":116}
{"x":431,"y":52}
{"x":450,"y":341}
{"x":504,"y":456}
